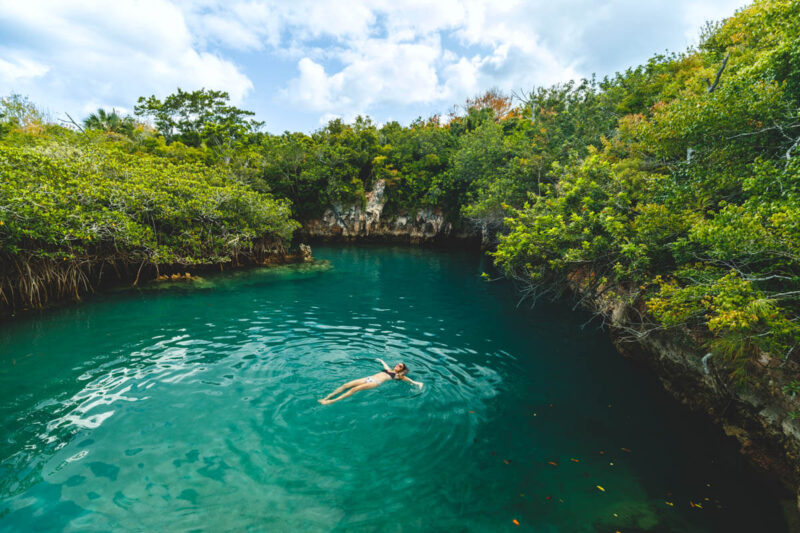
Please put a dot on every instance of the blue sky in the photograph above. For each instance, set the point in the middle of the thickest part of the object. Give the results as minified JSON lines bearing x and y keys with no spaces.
{"x":299,"y":63}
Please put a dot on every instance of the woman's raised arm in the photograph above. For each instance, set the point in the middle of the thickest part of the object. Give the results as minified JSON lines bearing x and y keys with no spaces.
{"x":417,"y":383}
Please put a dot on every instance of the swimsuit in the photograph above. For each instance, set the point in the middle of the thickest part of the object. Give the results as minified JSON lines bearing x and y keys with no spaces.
{"x":369,"y":380}
{"x":391,"y":374}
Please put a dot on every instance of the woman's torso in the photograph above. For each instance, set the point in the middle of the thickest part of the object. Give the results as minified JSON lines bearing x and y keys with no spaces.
{"x":382,"y":376}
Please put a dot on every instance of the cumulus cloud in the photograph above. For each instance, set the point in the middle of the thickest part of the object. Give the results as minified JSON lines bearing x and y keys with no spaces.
{"x":413,"y":52}
{"x":106,"y":53}
{"x":403,"y":61}
{"x":20,"y":69}
{"x":382,"y":57}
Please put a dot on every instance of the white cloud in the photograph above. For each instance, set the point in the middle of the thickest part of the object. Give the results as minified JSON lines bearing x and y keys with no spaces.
{"x":85,"y":52}
{"x":398,"y":56}
{"x":327,"y":117}
{"x":376,"y":71}
{"x":20,"y":69}
{"x":696,"y":14}
{"x":382,"y":57}
{"x":409,"y":65}
{"x":312,"y":87}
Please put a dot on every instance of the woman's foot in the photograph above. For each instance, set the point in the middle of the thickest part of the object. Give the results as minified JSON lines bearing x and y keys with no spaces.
{"x":324,"y":401}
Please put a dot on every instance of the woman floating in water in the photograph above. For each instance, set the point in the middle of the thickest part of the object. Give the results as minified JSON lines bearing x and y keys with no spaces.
{"x":398,"y":373}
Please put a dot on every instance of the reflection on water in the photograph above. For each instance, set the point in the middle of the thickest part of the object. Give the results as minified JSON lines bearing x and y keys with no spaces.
{"x":195,"y":408}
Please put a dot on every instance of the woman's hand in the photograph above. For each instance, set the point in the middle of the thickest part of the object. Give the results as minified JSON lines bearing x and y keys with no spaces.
{"x":421,"y":385}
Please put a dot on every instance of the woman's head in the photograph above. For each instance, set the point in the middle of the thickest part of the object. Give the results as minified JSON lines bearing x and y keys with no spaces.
{"x":401,"y":368}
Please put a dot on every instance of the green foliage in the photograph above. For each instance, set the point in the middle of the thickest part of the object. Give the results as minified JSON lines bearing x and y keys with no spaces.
{"x":107,"y":122}
{"x":69,"y":199}
{"x":689,"y":198}
{"x":413,"y":161}
{"x":334,"y":165}
{"x":17,"y":112}
{"x":198,"y":117}
{"x":791,"y":388}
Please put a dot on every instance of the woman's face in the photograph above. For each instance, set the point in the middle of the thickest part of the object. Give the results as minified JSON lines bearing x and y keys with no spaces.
{"x":398,"y":367}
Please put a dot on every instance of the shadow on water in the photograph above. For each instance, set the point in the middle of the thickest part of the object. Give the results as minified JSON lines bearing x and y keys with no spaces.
{"x":193,"y":406}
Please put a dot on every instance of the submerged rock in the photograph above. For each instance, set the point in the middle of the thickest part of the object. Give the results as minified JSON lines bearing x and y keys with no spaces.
{"x":186,"y":276}
{"x":305,"y":253}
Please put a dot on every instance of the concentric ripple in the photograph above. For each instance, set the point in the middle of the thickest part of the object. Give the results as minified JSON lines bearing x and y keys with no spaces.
{"x":194,"y":407}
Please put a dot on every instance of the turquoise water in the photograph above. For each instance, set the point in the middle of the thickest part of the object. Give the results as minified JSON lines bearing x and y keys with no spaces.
{"x":185,"y":407}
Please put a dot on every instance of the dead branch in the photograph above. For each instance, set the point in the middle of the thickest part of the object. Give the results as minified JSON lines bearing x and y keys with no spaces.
{"x":712,"y":86}
{"x":72,"y":120}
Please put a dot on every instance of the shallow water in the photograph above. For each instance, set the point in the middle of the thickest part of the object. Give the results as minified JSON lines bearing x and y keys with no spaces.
{"x":193,"y":407}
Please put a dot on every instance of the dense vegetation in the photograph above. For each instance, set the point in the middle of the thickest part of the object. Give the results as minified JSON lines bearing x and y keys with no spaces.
{"x":73,"y":204}
{"x":689,"y":210}
{"x":672,"y":188}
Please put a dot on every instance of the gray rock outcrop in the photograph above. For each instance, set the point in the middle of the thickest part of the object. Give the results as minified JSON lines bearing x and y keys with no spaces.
{"x":354,"y":223}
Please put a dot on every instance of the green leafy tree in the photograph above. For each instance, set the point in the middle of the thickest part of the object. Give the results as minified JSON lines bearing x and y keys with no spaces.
{"x":198,"y":117}
{"x":111,"y":122}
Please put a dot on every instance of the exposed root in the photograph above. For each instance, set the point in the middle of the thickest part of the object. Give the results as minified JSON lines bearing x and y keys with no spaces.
{"x":32,"y":282}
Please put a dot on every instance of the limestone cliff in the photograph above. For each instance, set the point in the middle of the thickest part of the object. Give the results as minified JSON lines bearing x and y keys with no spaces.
{"x":354,"y":223}
{"x":757,"y":415}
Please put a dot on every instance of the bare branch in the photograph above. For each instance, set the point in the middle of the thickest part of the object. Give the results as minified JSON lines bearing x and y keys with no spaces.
{"x":72,"y":120}
{"x":788,"y":154}
{"x":712,"y":86}
{"x":774,"y":127}
{"x":783,"y":295}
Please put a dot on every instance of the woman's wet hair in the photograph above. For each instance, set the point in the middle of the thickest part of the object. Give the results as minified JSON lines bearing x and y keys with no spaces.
{"x":404,"y":369}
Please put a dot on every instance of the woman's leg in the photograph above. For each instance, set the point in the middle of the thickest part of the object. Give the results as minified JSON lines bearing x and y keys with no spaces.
{"x":350,"y":392}
{"x":347,"y":385}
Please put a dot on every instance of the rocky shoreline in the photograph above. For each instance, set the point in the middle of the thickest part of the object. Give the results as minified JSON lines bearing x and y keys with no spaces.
{"x":758,"y":418}
{"x":757,"y":414}
{"x":369,"y":224}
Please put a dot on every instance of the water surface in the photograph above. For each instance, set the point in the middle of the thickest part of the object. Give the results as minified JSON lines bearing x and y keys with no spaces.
{"x":192,"y":407}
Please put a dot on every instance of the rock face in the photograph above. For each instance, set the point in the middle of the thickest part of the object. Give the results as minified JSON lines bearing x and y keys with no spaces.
{"x":305,"y":253}
{"x":352,"y":223}
{"x":758,"y":416}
